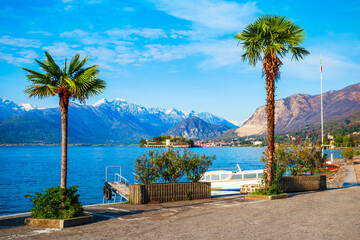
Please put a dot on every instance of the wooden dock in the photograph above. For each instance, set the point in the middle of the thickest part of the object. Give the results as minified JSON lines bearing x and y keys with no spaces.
{"x":121,"y":187}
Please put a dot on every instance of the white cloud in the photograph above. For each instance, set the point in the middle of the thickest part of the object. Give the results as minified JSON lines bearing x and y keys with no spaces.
{"x":16,"y":60}
{"x":28,"y":54}
{"x":73,"y":34}
{"x":20,"y":42}
{"x":68,"y":7}
{"x":142,"y":32}
{"x":220,"y":15}
{"x":40,"y":32}
{"x":335,"y":66}
{"x":67,"y":1}
{"x":128,"y":9}
{"x":60,"y":50}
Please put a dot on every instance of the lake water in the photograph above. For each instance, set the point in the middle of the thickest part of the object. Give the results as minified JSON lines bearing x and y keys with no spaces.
{"x":25,"y":170}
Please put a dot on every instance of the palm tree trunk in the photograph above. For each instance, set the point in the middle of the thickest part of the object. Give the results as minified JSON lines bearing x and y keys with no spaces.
{"x":271,"y":65}
{"x":64,"y":106}
{"x":270,"y":111}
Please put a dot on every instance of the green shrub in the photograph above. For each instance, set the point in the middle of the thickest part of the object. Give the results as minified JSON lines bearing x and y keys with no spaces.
{"x":268,"y":191}
{"x":348,"y":153}
{"x":49,"y":204}
{"x":170,"y":166}
{"x":356,"y":153}
{"x":196,"y":166}
{"x":145,"y":167}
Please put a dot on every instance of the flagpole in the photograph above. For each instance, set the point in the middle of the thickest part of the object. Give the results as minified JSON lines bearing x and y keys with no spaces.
{"x":322,"y":117}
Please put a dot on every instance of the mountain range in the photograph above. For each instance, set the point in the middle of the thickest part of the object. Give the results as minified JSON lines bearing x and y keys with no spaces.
{"x":105,"y":122}
{"x":195,"y":128}
{"x":302,"y":110}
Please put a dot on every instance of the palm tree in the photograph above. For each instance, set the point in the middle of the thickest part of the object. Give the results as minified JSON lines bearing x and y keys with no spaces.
{"x":73,"y":81}
{"x":268,"y":39}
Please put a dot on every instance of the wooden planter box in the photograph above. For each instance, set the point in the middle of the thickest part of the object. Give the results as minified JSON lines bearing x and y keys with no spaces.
{"x":59,"y":223}
{"x":303,"y":183}
{"x":167,"y":192}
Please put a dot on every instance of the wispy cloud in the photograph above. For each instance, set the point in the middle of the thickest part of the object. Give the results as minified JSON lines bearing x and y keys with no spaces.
{"x":20,"y":58}
{"x":44,"y":33}
{"x":142,"y":32}
{"x":335,"y":66}
{"x":20,"y":42}
{"x":220,"y":15}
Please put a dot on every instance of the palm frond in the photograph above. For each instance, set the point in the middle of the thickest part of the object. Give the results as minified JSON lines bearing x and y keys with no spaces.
{"x":40,"y":91}
{"x":271,"y":35}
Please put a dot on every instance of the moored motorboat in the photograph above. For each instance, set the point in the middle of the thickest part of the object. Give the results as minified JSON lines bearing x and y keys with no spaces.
{"x":223,"y":180}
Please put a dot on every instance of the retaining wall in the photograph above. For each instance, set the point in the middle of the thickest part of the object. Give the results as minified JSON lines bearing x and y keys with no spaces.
{"x":166,"y":192}
{"x":303,"y":183}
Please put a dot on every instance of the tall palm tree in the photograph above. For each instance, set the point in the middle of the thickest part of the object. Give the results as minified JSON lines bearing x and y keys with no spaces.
{"x":268,"y":39}
{"x":73,"y":81}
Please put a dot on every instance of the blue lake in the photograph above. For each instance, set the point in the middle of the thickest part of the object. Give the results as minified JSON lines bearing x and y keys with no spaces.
{"x":25,"y":170}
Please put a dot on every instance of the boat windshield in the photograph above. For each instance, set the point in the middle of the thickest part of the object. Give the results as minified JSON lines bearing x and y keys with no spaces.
{"x":236,"y":176}
{"x":224,"y":176}
{"x":215,"y":177}
{"x":249,"y":175}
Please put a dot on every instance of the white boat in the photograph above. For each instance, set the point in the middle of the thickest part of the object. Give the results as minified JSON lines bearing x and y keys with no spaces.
{"x":223,"y":180}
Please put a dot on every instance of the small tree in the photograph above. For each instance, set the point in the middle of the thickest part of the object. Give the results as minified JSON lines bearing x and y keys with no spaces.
{"x":348,"y":153}
{"x":146,"y":170}
{"x":171,"y":165}
{"x":197,"y":165}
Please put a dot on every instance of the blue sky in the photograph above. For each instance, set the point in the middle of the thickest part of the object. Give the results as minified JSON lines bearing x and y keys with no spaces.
{"x":176,"y":54}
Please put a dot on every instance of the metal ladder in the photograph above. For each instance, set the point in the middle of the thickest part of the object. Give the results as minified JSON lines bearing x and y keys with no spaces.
{"x":117,"y":184}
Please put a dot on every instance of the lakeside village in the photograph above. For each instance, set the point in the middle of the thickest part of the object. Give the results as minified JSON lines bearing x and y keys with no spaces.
{"x":330,"y":141}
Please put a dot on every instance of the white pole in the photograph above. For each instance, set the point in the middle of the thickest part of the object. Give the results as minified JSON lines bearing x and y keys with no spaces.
{"x":322,"y":117}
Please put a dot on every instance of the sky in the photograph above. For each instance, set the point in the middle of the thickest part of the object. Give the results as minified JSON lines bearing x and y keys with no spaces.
{"x":177,"y":54}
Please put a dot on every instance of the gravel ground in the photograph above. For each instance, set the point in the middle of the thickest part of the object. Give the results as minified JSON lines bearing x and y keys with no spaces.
{"x":330,"y":214}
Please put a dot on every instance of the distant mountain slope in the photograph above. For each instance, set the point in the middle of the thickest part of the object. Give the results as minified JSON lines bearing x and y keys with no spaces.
{"x":9,"y":108}
{"x":106,"y":122}
{"x":195,"y":128}
{"x":301,"y":110}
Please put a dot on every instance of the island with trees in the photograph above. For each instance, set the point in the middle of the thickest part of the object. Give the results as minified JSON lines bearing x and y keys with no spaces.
{"x":167,"y":142}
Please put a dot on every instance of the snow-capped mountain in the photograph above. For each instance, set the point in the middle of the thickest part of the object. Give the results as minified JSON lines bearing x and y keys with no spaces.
{"x":116,"y":121}
{"x":236,"y":123}
{"x":169,"y":116}
{"x":9,"y":108}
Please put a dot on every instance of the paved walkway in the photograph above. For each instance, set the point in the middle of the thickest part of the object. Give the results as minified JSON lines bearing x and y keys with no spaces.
{"x":330,"y":214}
{"x":350,"y":177}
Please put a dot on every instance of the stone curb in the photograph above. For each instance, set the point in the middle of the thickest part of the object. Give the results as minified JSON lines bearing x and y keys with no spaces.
{"x":59,"y":223}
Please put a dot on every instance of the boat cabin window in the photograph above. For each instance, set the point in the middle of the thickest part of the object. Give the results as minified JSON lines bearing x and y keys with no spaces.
{"x":260,"y":175}
{"x":236,"y":176}
{"x":249,"y":175}
{"x":207,"y":177}
{"x":215,"y":177}
{"x":224,"y":176}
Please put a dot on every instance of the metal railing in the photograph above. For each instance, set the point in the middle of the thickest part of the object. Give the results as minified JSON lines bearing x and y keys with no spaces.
{"x":117,"y":179}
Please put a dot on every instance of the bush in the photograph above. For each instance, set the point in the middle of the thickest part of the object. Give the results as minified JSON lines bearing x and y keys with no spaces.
{"x":348,"y":153}
{"x":49,"y":204}
{"x":268,"y":191}
{"x":298,"y":160}
{"x":197,"y":165}
{"x":146,"y":169}
{"x":356,"y":153}
{"x":170,"y":166}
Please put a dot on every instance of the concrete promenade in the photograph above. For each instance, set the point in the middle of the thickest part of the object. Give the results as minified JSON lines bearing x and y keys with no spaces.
{"x":330,"y":214}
